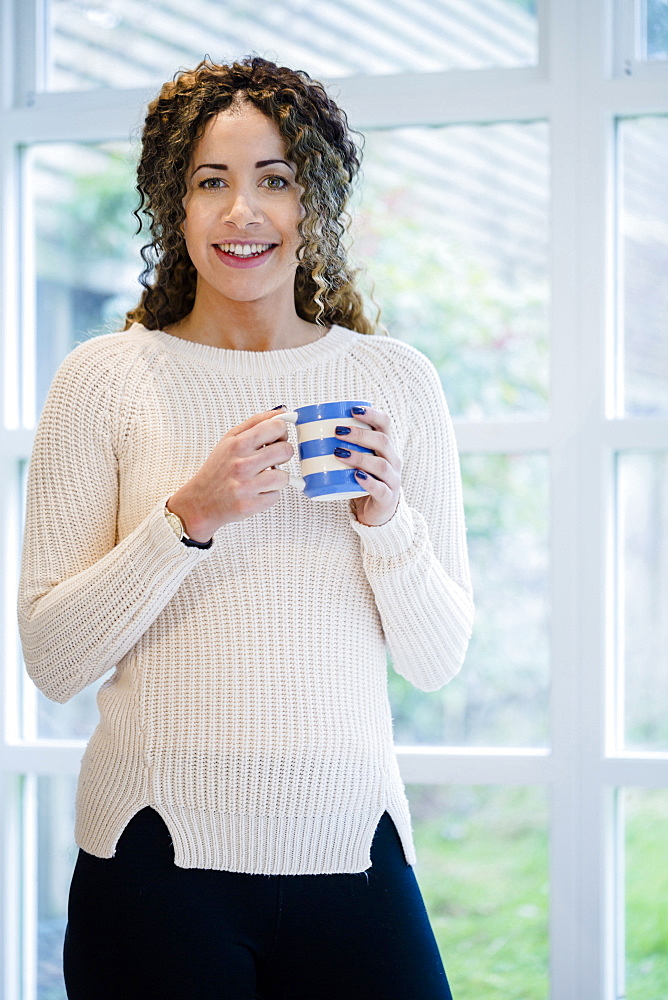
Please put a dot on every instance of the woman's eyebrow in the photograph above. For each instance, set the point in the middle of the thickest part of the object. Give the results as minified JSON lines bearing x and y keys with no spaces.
{"x":210,"y":166}
{"x":223,"y":166}
{"x":266,"y":163}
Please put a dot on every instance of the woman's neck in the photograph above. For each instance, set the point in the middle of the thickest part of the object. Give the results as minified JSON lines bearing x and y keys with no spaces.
{"x":246,"y":326}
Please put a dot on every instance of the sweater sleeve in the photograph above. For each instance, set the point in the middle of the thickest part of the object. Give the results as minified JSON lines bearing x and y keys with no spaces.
{"x":417,"y":562}
{"x":84,"y":598}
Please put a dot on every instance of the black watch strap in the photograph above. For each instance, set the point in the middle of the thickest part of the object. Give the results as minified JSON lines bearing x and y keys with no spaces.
{"x":196,"y":545}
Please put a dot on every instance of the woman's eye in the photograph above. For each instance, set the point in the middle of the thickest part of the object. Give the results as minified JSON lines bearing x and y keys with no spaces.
{"x":212,"y":182}
{"x":275,"y":183}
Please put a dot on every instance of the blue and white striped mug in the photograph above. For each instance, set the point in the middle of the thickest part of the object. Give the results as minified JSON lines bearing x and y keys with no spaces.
{"x":324,"y":477}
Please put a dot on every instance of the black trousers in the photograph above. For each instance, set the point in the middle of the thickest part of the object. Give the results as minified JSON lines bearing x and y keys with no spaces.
{"x":140,"y":927}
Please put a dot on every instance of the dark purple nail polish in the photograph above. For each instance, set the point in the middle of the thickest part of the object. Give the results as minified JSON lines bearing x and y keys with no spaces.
{"x":360,"y":474}
{"x":342,"y":453}
{"x":342,"y":430}
{"x":281,"y":406}
{"x":358,"y":410}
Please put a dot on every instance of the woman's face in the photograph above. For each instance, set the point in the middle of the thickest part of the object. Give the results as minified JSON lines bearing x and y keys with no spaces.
{"x":242,"y":209}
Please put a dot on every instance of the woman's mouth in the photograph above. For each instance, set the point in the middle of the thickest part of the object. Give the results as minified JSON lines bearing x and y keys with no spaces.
{"x":243,"y":254}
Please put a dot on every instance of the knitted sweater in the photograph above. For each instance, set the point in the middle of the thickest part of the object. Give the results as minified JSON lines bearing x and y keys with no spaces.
{"x":247,"y":700}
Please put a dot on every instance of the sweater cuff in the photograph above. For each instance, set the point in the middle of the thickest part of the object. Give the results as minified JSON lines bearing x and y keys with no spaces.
{"x":164,"y":549}
{"x":390,"y":539}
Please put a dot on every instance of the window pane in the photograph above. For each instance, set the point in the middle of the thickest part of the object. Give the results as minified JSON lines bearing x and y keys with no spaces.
{"x":130,"y":43}
{"x":643,"y":593}
{"x":643,"y":247}
{"x":500,"y":698}
{"x":454,"y":231}
{"x":75,"y":720}
{"x":657,"y":29}
{"x":646,"y":814}
{"x":483,"y":870}
{"x":56,"y":856}
{"x":85,"y":253}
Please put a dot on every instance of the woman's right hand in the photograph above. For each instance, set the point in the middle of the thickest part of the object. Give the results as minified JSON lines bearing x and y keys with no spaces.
{"x":238,"y":479}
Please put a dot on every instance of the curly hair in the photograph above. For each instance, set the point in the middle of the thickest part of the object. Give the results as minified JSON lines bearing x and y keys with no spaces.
{"x":318,"y":141}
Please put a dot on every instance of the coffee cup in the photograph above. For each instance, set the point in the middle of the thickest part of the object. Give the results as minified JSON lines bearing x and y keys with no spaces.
{"x":324,"y":477}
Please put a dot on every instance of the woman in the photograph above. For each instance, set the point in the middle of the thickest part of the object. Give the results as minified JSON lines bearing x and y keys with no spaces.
{"x":243,"y":826}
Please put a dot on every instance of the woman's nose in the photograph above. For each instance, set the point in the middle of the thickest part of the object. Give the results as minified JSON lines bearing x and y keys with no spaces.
{"x":242,"y":210}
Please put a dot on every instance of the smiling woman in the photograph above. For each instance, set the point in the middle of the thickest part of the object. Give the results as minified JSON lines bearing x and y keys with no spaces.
{"x":242,"y":211}
{"x":243,"y":768}
{"x":310,"y":135}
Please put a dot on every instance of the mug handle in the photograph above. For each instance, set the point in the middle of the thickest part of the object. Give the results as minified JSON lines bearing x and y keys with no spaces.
{"x":295,"y":481}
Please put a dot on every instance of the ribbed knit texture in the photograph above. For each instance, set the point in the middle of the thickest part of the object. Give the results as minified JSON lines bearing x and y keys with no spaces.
{"x":247,"y":701}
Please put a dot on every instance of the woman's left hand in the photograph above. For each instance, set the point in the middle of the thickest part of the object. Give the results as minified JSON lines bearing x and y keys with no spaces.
{"x":379,"y":474}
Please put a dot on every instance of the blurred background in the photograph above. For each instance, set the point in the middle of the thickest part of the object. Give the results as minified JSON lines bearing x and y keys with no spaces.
{"x":511,"y":223}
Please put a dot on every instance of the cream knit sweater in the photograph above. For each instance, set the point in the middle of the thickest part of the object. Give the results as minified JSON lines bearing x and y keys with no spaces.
{"x":247,"y":698}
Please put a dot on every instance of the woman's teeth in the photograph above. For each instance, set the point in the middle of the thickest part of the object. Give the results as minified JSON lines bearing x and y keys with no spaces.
{"x":244,"y":249}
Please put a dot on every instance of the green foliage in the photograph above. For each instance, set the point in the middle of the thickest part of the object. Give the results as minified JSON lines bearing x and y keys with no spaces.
{"x":102,"y":209}
{"x":92,"y":219}
{"x":646,"y":894}
{"x":486,"y":336}
{"x":500,"y":697}
{"x":483,"y":871}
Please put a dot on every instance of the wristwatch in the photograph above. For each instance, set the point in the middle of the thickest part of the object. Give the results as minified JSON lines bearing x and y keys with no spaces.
{"x":176,"y":524}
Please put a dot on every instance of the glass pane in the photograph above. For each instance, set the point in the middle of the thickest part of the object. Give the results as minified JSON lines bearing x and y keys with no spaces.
{"x":646,"y":894}
{"x":643,"y":593}
{"x":75,"y":720}
{"x":55,"y":862}
{"x":116,"y":43}
{"x":483,"y":871}
{"x":657,"y":29}
{"x":643,"y":247}
{"x":86,"y":256}
{"x":454,"y":232}
{"x":500,"y":697}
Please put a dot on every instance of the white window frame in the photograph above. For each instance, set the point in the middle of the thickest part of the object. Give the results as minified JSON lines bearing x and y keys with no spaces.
{"x":630,"y":51}
{"x":582,"y":84}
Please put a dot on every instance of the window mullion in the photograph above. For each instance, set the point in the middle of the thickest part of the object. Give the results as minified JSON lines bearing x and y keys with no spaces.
{"x":30,"y":40}
{"x":455,"y":766}
{"x":11,"y":888}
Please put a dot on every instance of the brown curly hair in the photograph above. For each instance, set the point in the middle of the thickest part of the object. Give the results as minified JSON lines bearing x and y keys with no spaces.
{"x":318,"y":141}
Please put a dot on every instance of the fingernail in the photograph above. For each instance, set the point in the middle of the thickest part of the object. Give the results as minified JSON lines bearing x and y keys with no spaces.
{"x":342,"y":453}
{"x":360,"y":474}
{"x":359,"y":410}
{"x":281,"y":406}
{"x":342,"y":430}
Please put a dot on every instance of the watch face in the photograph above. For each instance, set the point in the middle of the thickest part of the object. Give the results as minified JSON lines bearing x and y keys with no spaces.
{"x":175,"y":523}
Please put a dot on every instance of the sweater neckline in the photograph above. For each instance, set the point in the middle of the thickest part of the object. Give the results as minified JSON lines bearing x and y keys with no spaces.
{"x":283,"y":360}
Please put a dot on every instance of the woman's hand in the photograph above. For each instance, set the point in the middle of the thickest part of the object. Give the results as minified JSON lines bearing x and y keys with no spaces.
{"x":238,"y":479}
{"x":379,"y":474}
